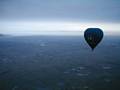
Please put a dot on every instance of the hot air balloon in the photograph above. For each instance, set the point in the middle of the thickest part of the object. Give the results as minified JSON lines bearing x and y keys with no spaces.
{"x":93,"y":36}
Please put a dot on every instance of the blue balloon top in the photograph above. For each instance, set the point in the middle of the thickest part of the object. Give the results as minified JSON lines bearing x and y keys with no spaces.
{"x":93,"y":36}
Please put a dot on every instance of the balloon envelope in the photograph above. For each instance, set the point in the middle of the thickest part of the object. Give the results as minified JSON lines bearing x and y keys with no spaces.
{"x":93,"y":36}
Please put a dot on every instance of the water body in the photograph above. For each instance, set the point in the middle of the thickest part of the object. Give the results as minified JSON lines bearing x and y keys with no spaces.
{"x":59,"y":63}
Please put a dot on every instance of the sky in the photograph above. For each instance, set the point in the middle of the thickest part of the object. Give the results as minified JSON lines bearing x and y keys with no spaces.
{"x":22,"y":17}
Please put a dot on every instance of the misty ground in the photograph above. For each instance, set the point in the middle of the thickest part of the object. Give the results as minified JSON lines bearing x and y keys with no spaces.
{"x":59,"y":63}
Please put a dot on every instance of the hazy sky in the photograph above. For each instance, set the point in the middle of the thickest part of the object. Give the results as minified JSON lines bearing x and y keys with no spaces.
{"x":25,"y":13}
